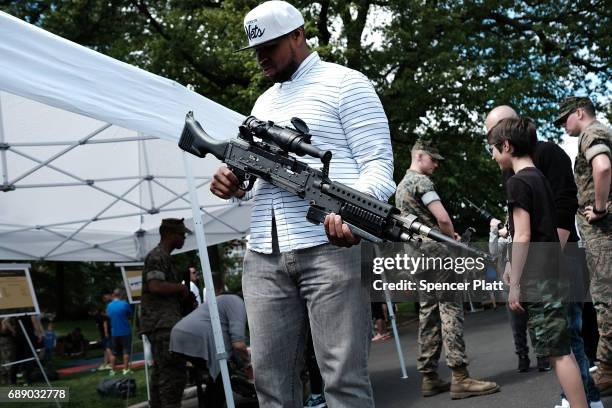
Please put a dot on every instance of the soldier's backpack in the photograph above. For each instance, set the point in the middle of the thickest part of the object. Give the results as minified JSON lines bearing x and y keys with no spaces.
{"x":119,"y":387}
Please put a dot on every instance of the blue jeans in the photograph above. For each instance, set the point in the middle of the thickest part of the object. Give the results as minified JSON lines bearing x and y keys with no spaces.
{"x":574,"y":317}
{"x":574,"y":320}
{"x":322,"y":284}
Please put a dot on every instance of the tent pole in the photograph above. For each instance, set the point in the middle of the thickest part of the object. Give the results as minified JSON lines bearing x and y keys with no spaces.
{"x":398,"y":346}
{"x":146,"y":345}
{"x":3,"y":150}
{"x":211,"y":300}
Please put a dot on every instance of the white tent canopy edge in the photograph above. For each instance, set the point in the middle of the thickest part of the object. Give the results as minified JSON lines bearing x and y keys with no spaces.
{"x":66,"y":201}
{"x":47,"y":70}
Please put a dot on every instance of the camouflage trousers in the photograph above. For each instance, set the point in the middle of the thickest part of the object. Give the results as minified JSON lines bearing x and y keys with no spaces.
{"x":169,"y":374}
{"x":598,"y":238}
{"x":548,"y":321}
{"x":440,"y":322}
{"x":7,"y":355}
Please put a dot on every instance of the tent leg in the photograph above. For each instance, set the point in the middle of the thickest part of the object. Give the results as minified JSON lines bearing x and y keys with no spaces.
{"x":146,"y":364}
{"x":211,"y":300}
{"x":398,"y":345}
{"x":3,"y":162}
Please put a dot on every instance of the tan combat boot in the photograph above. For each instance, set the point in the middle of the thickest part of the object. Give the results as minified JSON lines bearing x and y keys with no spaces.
{"x":433,"y":385}
{"x":462,"y":386}
{"x":603,"y":379}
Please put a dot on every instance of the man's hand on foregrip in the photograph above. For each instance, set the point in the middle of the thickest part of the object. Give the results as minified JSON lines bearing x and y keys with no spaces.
{"x":339,"y":233}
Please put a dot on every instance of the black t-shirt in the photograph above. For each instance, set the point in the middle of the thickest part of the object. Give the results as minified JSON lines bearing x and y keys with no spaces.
{"x":29,"y":328}
{"x":556,"y":166}
{"x":529,"y":190}
{"x":100,"y":319}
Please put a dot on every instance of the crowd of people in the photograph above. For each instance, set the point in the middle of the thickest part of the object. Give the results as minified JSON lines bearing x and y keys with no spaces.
{"x":302,"y":282}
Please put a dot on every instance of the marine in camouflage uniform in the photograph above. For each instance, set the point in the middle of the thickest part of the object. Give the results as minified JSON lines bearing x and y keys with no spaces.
{"x":160,"y":312}
{"x":8,"y":350}
{"x":439,"y":321}
{"x":594,"y":139}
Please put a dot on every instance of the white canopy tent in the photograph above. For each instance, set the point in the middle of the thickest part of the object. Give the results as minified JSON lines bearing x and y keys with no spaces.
{"x":90,"y":163}
{"x":89,"y":156}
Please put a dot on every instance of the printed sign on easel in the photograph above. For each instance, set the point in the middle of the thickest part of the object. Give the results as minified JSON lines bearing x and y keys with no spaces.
{"x":17,"y":296}
{"x":132,"y":279}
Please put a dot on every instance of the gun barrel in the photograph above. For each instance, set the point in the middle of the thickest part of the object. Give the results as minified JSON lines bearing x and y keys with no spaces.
{"x":484,"y":213}
{"x":428,"y":232}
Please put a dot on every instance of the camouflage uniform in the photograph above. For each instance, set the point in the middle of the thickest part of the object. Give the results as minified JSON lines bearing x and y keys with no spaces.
{"x":409,"y":194}
{"x":159,"y":315}
{"x":438,"y":321}
{"x":594,"y":140}
{"x":547,"y":317}
{"x":7,"y":353}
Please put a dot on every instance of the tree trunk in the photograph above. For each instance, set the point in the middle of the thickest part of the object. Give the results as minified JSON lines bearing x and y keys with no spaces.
{"x":60,"y":286}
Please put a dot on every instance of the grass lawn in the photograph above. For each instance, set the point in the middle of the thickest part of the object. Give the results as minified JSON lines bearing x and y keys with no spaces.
{"x":90,"y":332}
{"x":82,"y":386}
{"x":405,"y":312}
{"x":83,"y":392}
{"x":87,"y":326}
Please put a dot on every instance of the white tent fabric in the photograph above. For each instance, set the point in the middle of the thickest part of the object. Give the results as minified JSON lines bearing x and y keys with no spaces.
{"x":89,"y":156}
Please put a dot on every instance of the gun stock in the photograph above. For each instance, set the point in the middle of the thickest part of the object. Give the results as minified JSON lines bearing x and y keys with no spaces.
{"x":196,"y":141}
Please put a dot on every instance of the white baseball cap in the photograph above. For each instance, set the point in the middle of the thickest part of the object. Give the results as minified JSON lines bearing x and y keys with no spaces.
{"x":269,"y":21}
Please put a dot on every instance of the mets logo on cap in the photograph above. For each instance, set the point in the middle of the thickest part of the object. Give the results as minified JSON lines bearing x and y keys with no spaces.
{"x":269,"y":21}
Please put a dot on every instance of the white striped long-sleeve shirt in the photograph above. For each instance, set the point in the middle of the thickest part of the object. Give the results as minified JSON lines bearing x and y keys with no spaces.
{"x":345,"y":116}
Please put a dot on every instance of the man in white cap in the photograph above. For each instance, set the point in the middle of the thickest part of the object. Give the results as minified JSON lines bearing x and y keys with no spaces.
{"x":295,"y":270}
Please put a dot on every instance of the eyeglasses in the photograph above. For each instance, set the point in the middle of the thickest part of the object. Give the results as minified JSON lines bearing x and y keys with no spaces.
{"x":489,"y":148}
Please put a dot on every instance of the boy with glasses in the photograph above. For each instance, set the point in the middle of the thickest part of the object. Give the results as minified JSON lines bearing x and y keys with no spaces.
{"x":534,"y":272}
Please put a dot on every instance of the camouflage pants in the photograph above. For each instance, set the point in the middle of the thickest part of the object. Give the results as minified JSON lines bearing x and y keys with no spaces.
{"x":548,"y":320}
{"x":598,"y":238}
{"x":7,"y":355}
{"x":440,"y":322}
{"x":169,"y":374}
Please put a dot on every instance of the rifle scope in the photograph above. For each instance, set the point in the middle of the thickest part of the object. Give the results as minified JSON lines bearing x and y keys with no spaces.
{"x":292,"y":140}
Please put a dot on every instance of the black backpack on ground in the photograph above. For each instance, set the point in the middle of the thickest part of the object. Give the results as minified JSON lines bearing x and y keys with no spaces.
{"x":119,"y":387}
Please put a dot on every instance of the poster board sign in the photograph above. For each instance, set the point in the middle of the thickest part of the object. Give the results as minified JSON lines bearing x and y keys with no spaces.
{"x":17,"y":296}
{"x":132,"y":279}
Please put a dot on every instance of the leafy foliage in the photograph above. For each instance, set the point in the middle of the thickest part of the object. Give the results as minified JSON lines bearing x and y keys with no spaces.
{"x":438,"y":66}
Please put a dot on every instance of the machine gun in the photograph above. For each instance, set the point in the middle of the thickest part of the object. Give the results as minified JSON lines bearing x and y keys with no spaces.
{"x":269,"y":160}
{"x":483,"y":212}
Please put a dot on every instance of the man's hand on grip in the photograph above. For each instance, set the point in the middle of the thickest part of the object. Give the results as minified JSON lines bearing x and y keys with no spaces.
{"x":225,"y":184}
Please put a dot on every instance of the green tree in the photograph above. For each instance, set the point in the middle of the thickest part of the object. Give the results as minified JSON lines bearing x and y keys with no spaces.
{"x":70,"y":289}
{"x":438,"y":66}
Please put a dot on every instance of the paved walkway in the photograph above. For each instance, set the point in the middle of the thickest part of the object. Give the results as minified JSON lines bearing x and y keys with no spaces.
{"x":491,"y":352}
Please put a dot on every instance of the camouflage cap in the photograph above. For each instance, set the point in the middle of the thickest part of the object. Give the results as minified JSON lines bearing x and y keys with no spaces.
{"x":429,"y":147}
{"x":569,"y":105}
{"x":175,"y":224}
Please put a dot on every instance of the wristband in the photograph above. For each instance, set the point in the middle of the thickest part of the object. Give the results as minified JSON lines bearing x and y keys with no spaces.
{"x":600,"y":212}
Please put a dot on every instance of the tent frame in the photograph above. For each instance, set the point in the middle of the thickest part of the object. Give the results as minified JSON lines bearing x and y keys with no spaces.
{"x":150,"y":179}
